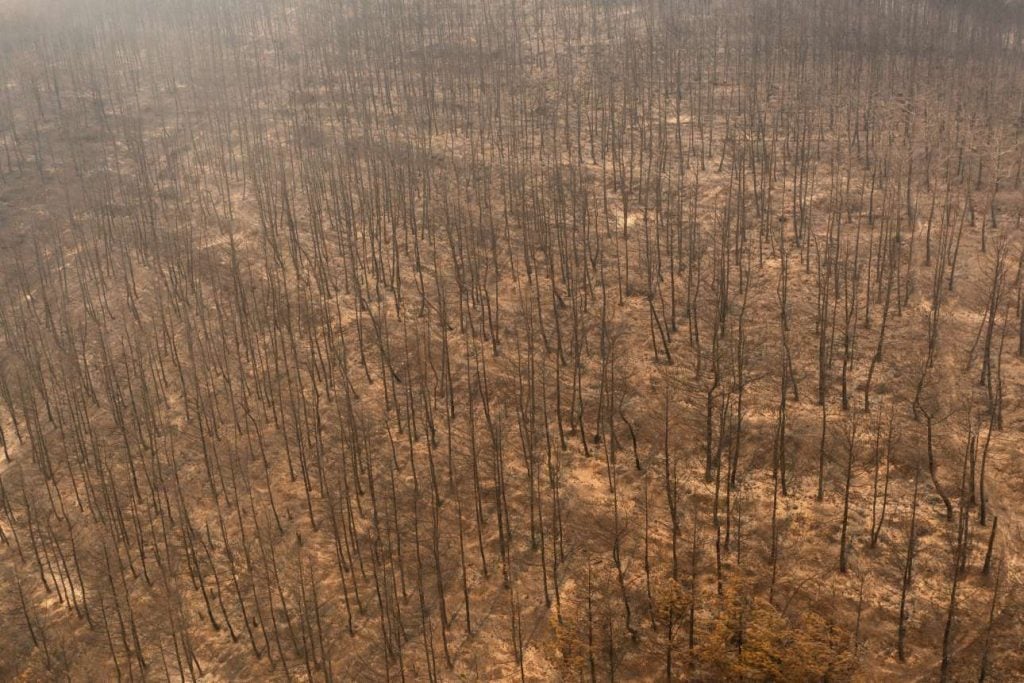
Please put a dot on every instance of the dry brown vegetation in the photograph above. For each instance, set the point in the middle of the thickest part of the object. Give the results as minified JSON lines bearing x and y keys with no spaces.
{"x":511,"y":339}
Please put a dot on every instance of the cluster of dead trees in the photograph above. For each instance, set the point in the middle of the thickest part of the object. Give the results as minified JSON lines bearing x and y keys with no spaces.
{"x":384,"y":339}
